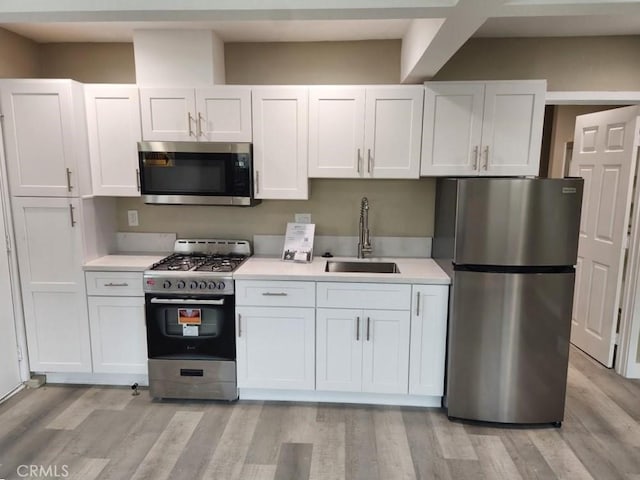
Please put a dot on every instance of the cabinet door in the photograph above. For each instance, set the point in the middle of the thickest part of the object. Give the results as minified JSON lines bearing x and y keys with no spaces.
{"x":452,"y":128}
{"x":118,"y":334}
{"x":339,"y":339}
{"x":168,"y":114}
{"x":39,"y":137}
{"x":223,"y":114}
{"x":113,"y":124}
{"x":53,"y":292}
{"x":512,"y":128}
{"x":275,"y":347}
{"x":336,"y":132}
{"x":393,"y":132}
{"x":428,"y":339}
{"x":280,"y":143}
{"x":385,"y":355}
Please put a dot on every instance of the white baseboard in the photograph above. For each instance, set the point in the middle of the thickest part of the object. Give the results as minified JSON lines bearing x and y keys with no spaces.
{"x":99,"y":378}
{"x":339,"y":397}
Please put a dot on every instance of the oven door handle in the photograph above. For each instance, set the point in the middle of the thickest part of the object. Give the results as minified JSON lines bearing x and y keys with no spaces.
{"x":187,"y":300}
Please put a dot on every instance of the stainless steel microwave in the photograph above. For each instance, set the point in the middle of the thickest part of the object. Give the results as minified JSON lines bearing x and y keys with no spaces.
{"x":196,"y":173}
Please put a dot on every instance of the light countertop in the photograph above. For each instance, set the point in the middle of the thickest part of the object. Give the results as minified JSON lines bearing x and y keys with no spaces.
{"x":412,"y":270}
{"x":123,"y":263}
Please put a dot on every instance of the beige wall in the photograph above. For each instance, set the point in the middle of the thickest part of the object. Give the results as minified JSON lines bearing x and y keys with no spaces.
{"x":18,"y":56}
{"x":564,"y":123}
{"x":579,"y":63}
{"x":88,"y":62}
{"x":398,"y":208}
{"x":313,"y":63}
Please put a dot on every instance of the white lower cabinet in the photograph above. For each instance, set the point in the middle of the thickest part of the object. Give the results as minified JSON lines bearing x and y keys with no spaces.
{"x":428,"y":339}
{"x":275,"y":347}
{"x":118,"y":335}
{"x":362,"y":350}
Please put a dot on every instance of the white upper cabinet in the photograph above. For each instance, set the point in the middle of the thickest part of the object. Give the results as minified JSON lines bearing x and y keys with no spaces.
{"x":393,"y":132}
{"x":45,"y":138}
{"x":113,"y":124}
{"x":482,"y":128}
{"x":358,"y":132}
{"x":215,"y":114}
{"x":280,"y":134}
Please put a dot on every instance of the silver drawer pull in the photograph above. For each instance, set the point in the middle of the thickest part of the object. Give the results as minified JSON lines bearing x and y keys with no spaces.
{"x":111,"y":284}
{"x":275,"y":294}
{"x":187,"y":300}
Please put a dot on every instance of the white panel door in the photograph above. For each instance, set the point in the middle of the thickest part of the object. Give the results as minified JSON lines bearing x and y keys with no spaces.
{"x":53,"y":291}
{"x":336,"y":132}
{"x":605,"y":155}
{"x":39,"y":134}
{"x":428,"y":339}
{"x":385,"y":351}
{"x":452,"y":128}
{"x":9,"y":367}
{"x":339,"y":339}
{"x":280,"y":143}
{"x":118,"y":334}
{"x":223,"y":114}
{"x":275,"y":347}
{"x":393,"y":131}
{"x":168,"y":114}
{"x":512,"y":128}
{"x":113,"y":124}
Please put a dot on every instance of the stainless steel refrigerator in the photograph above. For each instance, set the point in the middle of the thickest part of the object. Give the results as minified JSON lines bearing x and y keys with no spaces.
{"x":510,"y":246}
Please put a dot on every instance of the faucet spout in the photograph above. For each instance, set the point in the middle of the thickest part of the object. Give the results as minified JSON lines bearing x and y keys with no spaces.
{"x":364,"y":240}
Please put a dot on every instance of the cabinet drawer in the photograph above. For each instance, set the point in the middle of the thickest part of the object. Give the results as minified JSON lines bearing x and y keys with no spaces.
{"x":118,"y":284}
{"x":383,"y":296}
{"x":275,"y":294}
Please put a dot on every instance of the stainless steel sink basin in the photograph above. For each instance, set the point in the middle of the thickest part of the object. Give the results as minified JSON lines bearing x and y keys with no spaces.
{"x":362,"y":267}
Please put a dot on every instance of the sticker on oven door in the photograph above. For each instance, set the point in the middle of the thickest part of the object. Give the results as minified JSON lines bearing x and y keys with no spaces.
{"x":190,"y":316}
{"x":189,"y":330}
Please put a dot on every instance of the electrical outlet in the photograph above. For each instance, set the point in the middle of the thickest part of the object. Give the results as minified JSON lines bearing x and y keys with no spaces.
{"x":303,"y":217}
{"x":132,"y":218}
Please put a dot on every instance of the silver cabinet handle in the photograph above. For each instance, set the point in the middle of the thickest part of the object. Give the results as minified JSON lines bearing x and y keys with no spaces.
{"x":486,"y":157}
{"x":476,"y":150}
{"x":368,"y":328}
{"x":239,"y":325}
{"x":69,"y":187}
{"x":138,"y":179}
{"x":199,"y":124}
{"x":189,"y":124}
{"x":111,"y":284}
{"x":368,"y":160}
{"x":357,"y":329}
{"x":257,"y":181}
{"x":73,"y":220}
{"x":418,"y":304}
{"x":274,"y":294}
{"x":358,"y":161}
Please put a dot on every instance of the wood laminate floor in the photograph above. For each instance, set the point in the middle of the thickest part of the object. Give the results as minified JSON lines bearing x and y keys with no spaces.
{"x":106,"y":433}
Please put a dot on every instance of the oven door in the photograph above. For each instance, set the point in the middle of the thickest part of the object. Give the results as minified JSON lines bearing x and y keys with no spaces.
{"x":189,"y":327}
{"x":196,"y":173}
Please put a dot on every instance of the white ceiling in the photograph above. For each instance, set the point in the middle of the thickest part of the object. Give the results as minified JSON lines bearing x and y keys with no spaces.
{"x":431,"y":30}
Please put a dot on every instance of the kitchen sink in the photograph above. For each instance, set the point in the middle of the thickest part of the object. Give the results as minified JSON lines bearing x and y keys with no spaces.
{"x":362,"y":267}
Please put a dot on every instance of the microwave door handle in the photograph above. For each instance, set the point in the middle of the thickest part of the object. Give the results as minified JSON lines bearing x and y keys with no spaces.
{"x":187,"y":300}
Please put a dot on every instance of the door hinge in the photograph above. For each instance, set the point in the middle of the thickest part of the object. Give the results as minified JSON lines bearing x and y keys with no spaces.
{"x":616,"y":339}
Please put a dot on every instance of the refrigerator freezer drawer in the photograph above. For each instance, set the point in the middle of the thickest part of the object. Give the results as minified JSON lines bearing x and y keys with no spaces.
{"x":509,"y":346}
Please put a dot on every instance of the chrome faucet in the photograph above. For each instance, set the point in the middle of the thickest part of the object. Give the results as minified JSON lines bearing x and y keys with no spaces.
{"x":364,"y":242}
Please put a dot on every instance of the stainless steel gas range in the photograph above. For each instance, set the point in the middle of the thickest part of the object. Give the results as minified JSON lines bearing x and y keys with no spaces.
{"x":190,"y":319}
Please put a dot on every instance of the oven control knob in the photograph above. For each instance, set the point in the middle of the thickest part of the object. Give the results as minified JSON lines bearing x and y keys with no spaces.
{"x":181,"y":284}
{"x":166,"y":284}
{"x":211,"y":285}
{"x":193,"y":285}
{"x":202,"y":285}
{"x":221,"y":286}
